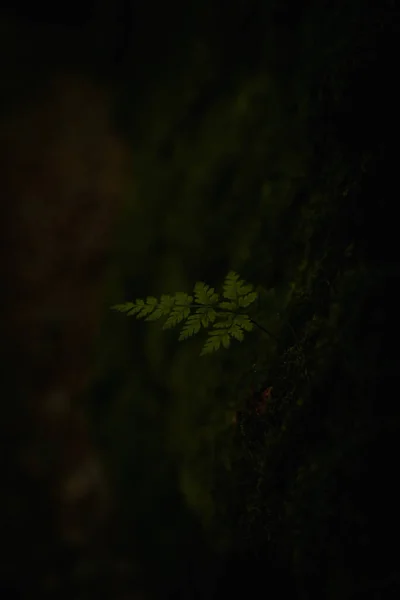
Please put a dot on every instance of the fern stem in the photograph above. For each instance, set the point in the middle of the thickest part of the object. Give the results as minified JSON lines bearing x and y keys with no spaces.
{"x":293,"y":331}
{"x":271,"y":335}
{"x":261,"y":327}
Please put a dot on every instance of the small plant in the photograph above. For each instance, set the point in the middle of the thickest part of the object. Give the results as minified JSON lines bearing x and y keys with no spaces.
{"x":227,"y":316}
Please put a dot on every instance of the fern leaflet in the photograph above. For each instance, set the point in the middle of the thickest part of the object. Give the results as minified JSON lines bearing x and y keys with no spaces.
{"x":204,"y":294}
{"x":234,"y":287}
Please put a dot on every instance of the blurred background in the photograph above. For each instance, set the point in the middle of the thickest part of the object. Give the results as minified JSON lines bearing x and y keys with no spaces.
{"x":145,"y":147}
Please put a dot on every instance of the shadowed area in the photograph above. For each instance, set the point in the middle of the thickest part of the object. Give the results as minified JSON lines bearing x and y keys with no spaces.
{"x":147,"y":150}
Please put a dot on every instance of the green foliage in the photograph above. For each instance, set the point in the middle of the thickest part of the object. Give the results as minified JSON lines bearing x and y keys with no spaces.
{"x":226,"y":317}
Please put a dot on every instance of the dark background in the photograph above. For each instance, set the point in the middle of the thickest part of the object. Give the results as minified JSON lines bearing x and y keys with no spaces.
{"x":259,"y":136}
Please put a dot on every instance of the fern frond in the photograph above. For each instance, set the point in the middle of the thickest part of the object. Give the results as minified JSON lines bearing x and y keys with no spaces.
{"x":204,"y":294}
{"x":225,"y":317}
{"x":163,"y":309}
{"x":143,"y":309}
{"x":179,"y":311}
{"x":222,"y":335}
{"x":167,"y":303}
{"x":183,"y":299}
{"x":177,"y":315}
{"x":244,"y":288}
{"x":140,"y":308}
{"x":230,"y":285}
{"x":123,"y":308}
{"x":244,"y":322}
{"x":236,"y":332}
{"x":212,"y":345}
{"x":155,"y":315}
{"x":191,"y":327}
{"x":234,"y":286}
{"x":137,"y":308}
{"x":207,"y":315}
{"x":214,"y":341}
{"x":225,"y":320}
{"x":228,"y":305}
{"x":246,"y":300}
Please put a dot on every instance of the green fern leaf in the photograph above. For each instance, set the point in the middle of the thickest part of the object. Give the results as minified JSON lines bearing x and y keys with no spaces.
{"x":222,"y":335}
{"x":228,"y":305}
{"x":183,"y":299}
{"x":145,"y":308}
{"x":248,"y":299}
{"x":225,"y":320}
{"x":208,"y":318}
{"x":244,"y":288}
{"x":212,"y":345}
{"x":234,"y":286}
{"x":230,"y":285}
{"x":177,"y":315}
{"x":138,"y":306}
{"x":191,"y":327}
{"x":180,"y":309}
{"x":204,"y":294}
{"x":155,"y":315}
{"x":123,"y":308}
{"x":207,"y":315}
{"x":244,"y":322}
{"x":163,"y":309}
{"x":130,"y":308}
{"x":167,"y":303}
{"x":236,"y":332}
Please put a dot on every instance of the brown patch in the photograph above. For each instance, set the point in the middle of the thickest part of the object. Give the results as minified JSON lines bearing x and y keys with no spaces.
{"x":63,"y":176}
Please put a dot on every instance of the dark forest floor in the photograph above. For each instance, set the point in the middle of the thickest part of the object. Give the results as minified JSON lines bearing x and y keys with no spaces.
{"x":312,"y":494}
